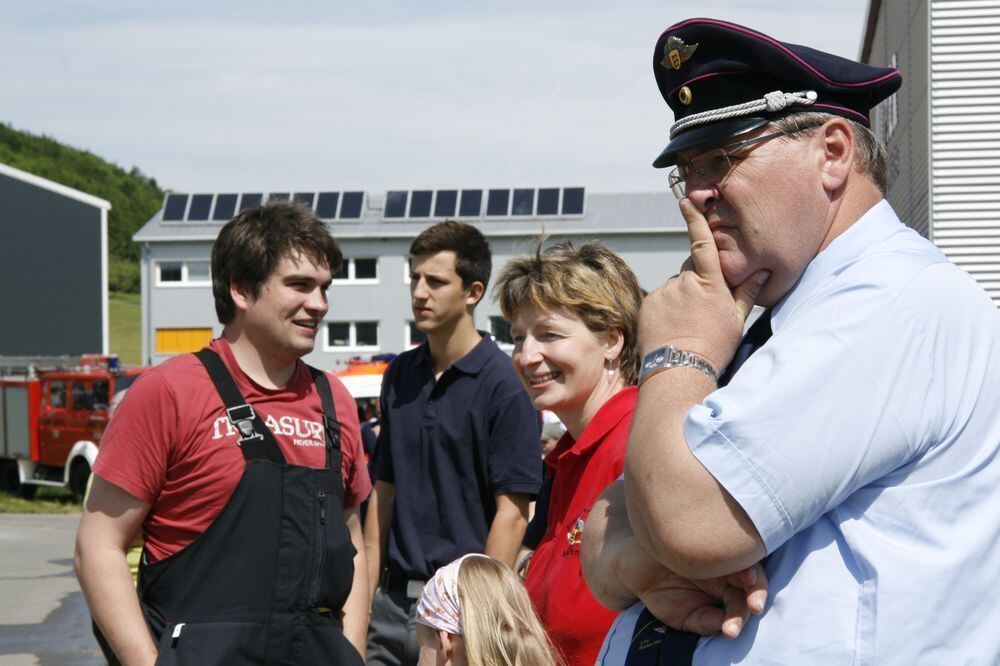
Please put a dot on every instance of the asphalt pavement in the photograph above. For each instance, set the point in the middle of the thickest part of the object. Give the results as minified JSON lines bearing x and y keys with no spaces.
{"x":43,"y":616}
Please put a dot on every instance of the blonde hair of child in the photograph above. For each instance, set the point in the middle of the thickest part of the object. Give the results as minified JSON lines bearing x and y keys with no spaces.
{"x":499,"y":624}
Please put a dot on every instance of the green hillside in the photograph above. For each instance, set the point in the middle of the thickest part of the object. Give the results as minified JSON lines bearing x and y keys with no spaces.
{"x":134,"y":196}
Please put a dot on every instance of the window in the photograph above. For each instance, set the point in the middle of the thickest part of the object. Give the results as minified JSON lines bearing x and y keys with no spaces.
{"x":498,"y":203}
{"x":350,"y":208}
{"x":305,"y":198}
{"x":181,"y":340}
{"x":414,"y":336}
{"x":326,"y":207}
{"x":445,"y":204}
{"x":82,"y":399}
{"x":277,"y":196}
{"x":174,"y":208}
{"x":420,"y":203}
{"x":524,"y":202}
{"x":351,"y":335}
{"x":225,"y":206}
{"x":572,"y":201}
{"x":201,"y":205}
{"x":358,"y":269}
{"x":548,"y":201}
{"x":395,"y":204}
{"x":57,"y":395}
{"x":250,"y":201}
{"x":183,"y":273}
{"x":472,"y":203}
{"x":500,"y":328}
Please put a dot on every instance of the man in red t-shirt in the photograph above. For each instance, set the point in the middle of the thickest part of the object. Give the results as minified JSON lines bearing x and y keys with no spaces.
{"x":175,"y":462}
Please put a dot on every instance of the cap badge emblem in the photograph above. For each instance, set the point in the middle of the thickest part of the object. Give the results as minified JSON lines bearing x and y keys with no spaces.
{"x":684,"y":95}
{"x":676,"y":52}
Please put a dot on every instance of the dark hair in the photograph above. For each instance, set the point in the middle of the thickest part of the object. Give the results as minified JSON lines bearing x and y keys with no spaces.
{"x":250,"y":246}
{"x":590,"y":281}
{"x":473,"y":260}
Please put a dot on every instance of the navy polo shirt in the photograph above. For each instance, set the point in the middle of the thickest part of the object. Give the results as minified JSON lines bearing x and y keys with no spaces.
{"x":450,"y":447}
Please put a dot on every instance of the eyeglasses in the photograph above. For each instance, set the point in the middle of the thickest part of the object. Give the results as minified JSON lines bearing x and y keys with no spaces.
{"x":713,"y":165}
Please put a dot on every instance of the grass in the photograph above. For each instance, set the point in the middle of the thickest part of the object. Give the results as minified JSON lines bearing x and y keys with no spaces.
{"x":125,"y":324}
{"x":48,"y":500}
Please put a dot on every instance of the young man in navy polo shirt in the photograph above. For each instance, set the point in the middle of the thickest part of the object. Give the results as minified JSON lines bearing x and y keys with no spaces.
{"x":458,"y":455}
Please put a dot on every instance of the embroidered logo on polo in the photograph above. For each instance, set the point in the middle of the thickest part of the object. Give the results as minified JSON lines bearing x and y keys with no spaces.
{"x":302,"y":431}
{"x":575,"y":531}
{"x":676,"y":52}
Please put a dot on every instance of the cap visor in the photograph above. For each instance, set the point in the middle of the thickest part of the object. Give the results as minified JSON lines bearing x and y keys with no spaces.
{"x":705,"y":137}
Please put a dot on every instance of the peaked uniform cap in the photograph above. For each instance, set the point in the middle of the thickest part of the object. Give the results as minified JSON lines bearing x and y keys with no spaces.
{"x":705,"y":67}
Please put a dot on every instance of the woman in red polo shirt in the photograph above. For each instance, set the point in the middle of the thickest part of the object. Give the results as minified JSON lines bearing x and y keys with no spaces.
{"x":573,"y":313}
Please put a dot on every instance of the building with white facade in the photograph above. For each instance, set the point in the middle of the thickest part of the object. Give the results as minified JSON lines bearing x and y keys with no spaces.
{"x":369,"y":300}
{"x":942,"y":129}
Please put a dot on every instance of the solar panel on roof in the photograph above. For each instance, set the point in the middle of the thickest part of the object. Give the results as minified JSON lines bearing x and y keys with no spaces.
{"x":225,"y":206}
{"x":548,"y":201}
{"x":524,"y":202}
{"x":395,"y":204}
{"x":350,"y":208}
{"x":444,"y":205}
{"x":305,"y":198}
{"x":175,"y":207}
{"x":471,"y":204}
{"x":498,"y":202}
{"x":250,"y":201}
{"x":420,"y":203}
{"x":326,"y":206}
{"x":277,"y":196}
{"x":572,"y":201}
{"x":201,"y":206}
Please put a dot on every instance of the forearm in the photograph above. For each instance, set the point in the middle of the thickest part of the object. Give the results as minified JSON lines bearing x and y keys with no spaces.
{"x":507,"y":530}
{"x":606,"y":542}
{"x":107,"y":585}
{"x":678,"y":512}
{"x":358,"y":604}
{"x":376,"y":533}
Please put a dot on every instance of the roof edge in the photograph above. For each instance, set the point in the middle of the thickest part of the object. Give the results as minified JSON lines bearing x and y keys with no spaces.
{"x":52,"y":186}
{"x":874,"y":6}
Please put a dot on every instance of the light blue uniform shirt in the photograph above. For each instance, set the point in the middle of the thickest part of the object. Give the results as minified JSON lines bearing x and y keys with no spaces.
{"x":862,"y":441}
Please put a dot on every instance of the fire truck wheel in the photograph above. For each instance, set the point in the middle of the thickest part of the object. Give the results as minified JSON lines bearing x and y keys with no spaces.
{"x":79,"y":474}
{"x":10,"y":482}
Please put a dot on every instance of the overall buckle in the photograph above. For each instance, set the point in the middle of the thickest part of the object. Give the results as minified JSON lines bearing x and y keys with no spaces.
{"x":242,"y":416}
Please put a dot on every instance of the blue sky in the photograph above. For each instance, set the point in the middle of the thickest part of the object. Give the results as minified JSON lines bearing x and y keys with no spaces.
{"x":375,"y":95}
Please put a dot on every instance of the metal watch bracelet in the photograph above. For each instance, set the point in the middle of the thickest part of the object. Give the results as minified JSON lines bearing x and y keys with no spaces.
{"x":667,"y":357}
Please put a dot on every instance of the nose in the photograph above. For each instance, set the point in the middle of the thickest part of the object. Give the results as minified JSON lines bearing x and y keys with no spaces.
{"x":418,"y":289}
{"x":702,"y":193}
{"x":317,"y":301}
{"x":529,"y":353}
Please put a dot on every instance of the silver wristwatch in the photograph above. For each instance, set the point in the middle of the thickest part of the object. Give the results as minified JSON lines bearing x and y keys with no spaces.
{"x":663,"y":358}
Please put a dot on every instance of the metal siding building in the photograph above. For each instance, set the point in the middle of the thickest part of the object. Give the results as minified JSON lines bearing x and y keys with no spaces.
{"x":53,"y":268}
{"x":942,"y":130}
{"x":370,"y":303}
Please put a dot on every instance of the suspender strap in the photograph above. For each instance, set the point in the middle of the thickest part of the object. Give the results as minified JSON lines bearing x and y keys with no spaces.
{"x":256,"y":439}
{"x":330,"y":422}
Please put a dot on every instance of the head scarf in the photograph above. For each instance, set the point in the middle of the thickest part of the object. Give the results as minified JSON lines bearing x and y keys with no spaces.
{"x":439,"y":606}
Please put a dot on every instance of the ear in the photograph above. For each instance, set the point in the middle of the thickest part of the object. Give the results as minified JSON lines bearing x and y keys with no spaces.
{"x":474,"y":293}
{"x":614,"y":341}
{"x":242,"y":295}
{"x":837,"y":145}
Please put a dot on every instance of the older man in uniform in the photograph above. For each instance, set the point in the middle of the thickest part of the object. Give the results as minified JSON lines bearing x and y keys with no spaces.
{"x":857,"y":448}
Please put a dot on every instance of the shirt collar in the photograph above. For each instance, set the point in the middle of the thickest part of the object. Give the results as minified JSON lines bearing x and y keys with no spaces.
{"x":469,"y":364}
{"x":874,"y":226}
{"x":611,"y":413}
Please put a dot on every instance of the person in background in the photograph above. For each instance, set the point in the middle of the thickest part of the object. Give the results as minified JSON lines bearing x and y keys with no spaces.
{"x":573,"y":313}
{"x":457,"y":457}
{"x":243,"y":467}
{"x":475,"y":611}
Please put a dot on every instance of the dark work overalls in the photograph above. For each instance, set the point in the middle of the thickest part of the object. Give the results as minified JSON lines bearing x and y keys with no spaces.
{"x":266,"y":582}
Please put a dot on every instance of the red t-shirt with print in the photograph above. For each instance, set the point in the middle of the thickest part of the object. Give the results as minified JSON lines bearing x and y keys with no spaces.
{"x":574,"y":620}
{"x":171,"y":445}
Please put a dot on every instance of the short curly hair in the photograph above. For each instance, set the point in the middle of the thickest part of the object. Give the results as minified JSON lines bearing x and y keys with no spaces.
{"x":590,"y":281}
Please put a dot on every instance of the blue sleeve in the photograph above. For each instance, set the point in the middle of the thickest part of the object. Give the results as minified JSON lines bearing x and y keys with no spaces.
{"x":514,"y":450}
{"x":382,"y":462}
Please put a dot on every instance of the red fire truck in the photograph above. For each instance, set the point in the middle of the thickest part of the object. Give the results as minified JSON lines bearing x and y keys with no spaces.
{"x":53,"y":412}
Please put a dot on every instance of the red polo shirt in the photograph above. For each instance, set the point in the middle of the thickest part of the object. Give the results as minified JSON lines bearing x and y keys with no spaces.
{"x":573,"y":618}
